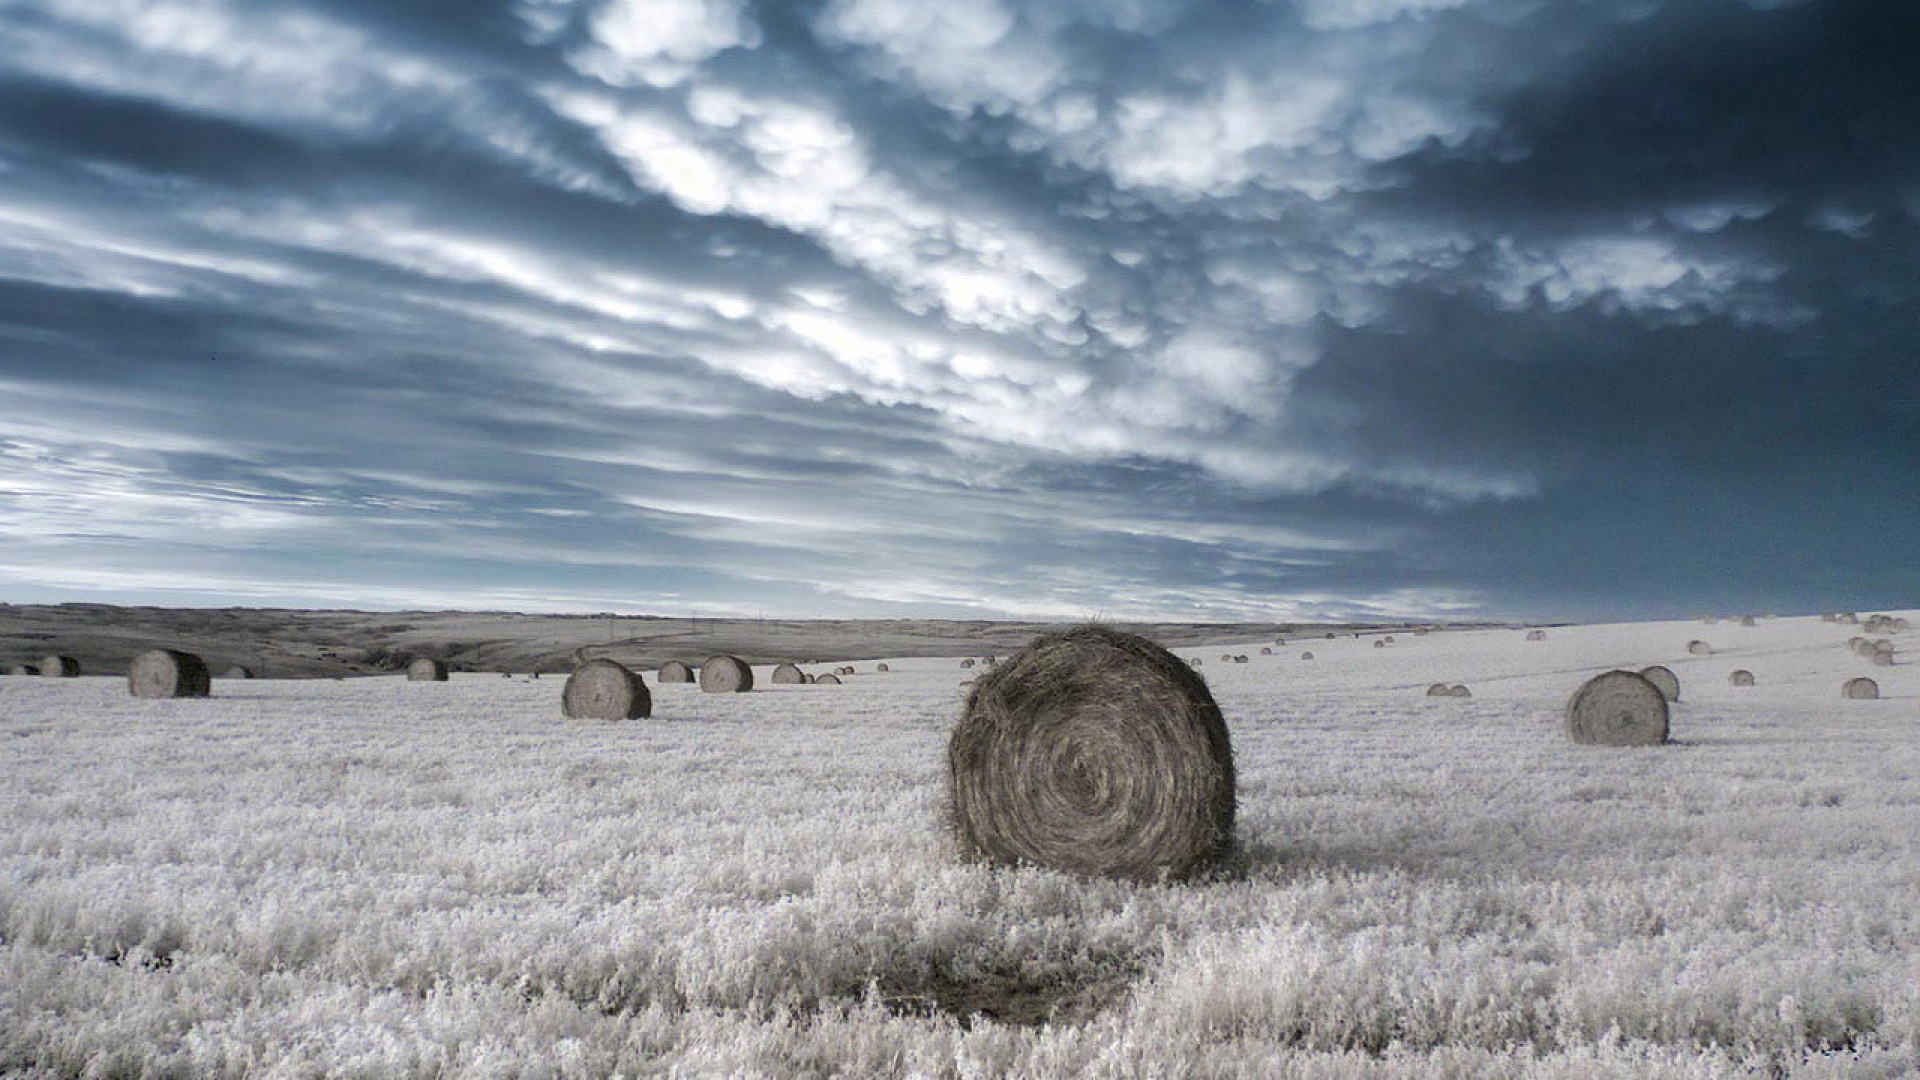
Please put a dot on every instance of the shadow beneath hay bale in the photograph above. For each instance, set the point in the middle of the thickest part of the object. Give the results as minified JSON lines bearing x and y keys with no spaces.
{"x":1005,"y":998}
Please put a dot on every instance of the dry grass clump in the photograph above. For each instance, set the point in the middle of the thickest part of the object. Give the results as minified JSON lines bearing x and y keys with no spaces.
{"x":1663,"y":677}
{"x":427,"y":669}
{"x":1096,"y":752}
{"x":60,"y":667}
{"x":725,"y":675}
{"x":1740,"y":677}
{"x":1860,"y":689}
{"x":788,"y":675}
{"x":673,"y":671}
{"x":1618,"y":708}
{"x":605,"y":689}
{"x":1699,"y":648}
{"x":168,"y":673}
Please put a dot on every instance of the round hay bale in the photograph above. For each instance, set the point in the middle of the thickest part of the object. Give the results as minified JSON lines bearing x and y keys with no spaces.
{"x":605,"y":689}
{"x":1388,"y":639}
{"x":1849,"y":618}
{"x":788,"y":675}
{"x":1536,"y":635}
{"x":1857,"y":645}
{"x":1240,"y":660}
{"x":1226,"y":658}
{"x":967,"y":663}
{"x":1740,"y":677}
{"x":1330,"y":636}
{"x":1266,"y":652}
{"x":23,"y":669}
{"x":427,"y":669}
{"x":1095,"y":752}
{"x":1663,"y":677}
{"x":1617,"y":708}
{"x":168,"y":673}
{"x":1306,"y":656}
{"x":1379,"y":643}
{"x":881,"y":667}
{"x":60,"y":667}
{"x":833,"y":680}
{"x":1882,"y":658}
{"x":725,"y":675}
{"x":1860,"y":689}
{"x":1459,"y":690}
{"x":1699,"y":648}
{"x":1439,"y":689}
{"x":241,"y":671}
{"x":1747,"y":620}
{"x":1194,"y":662}
{"x":808,"y":679}
{"x":673,"y":671}
{"x":1829,"y":616}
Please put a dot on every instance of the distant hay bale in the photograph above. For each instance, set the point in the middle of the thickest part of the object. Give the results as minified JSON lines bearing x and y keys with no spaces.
{"x":1331,"y":636}
{"x":1858,"y":645}
{"x":1439,"y":689}
{"x":1459,"y":690}
{"x":1095,"y":752}
{"x":1195,"y":662}
{"x":1279,"y":641}
{"x":788,"y":675}
{"x":60,"y":667}
{"x":1618,"y":708}
{"x":241,"y":671}
{"x":1740,"y":677}
{"x":881,"y":667}
{"x":1829,"y":616}
{"x":1663,"y":677}
{"x":23,"y":669}
{"x":1882,"y":658}
{"x":1388,"y":639}
{"x":1699,"y":648}
{"x":1379,"y":643}
{"x":1226,"y":658}
{"x":967,"y":663}
{"x":808,"y":678}
{"x":828,"y":680}
{"x":1709,"y":619}
{"x":1536,"y":635}
{"x":725,"y":675}
{"x":673,"y":671}
{"x":1266,"y":652}
{"x":1860,"y":689}
{"x":168,"y":673}
{"x":1306,"y":655}
{"x":605,"y":689}
{"x":1849,"y":618}
{"x":1747,"y":620}
{"x":427,"y":669}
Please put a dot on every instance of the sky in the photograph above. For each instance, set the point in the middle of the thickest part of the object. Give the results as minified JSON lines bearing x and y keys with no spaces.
{"x":1038,"y":309}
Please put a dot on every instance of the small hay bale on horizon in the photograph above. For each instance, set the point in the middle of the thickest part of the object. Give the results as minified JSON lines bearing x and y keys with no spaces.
{"x":1536,"y":635}
{"x":427,"y":669}
{"x":1740,"y":677}
{"x":603,"y":689}
{"x":241,"y":671}
{"x":674,"y":671}
{"x":1617,"y":708}
{"x":1095,"y":752}
{"x":23,"y":669}
{"x":967,"y":663}
{"x":1699,"y":648}
{"x":1306,"y":655}
{"x":1662,"y":676}
{"x":59,"y":667}
{"x":1860,"y":688}
{"x":1439,"y":689}
{"x":1266,"y":652}
{"x":725,"y":675}
{"x":1748,"y":620}
{"x":881,"y":667}
{"x":788,"y":675}
{"x":168,"y":673}
{"x":1460,"y":690}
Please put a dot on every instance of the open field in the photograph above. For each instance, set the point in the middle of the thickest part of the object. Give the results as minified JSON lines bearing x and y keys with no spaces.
{"x":388,"y":879}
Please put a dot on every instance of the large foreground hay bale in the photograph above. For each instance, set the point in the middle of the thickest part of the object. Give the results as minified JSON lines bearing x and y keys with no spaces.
{"x":1617,"y":708}
{"x":673,"y":671}
{"x":605,"y":689}
{"x":788,"y":675}
{"x":427,"y":669}
{"x":1663,"y":677}
{"x":1740,"y":677}
{"x":168,"y":673}
{"x":1699,"y":648}
{"x":725,"y":675}
{"x":60,"y":667}
{"x":1860,"y":689}
{"x":1096,"y":752}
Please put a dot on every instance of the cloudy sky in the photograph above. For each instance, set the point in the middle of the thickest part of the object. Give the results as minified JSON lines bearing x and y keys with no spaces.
{"x":1262,"y":309}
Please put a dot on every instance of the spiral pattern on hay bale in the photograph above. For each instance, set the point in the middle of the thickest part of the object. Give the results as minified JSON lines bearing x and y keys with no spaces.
{"x":603,"y":689}
{"x":673,"y":671}
{"x":168,"y":673}
{"x":788,"y":675}
{"x":1860,"y":689}
{"x":1663,"y":677}
{"x":1740,"y":677}
{"x":1699,"y":648}
{"x":1095,"y":752}
{"x":60,"y":667}
{"x":427,"y":669}
{"x":1617,"y":708}
{"x":725,"y":675}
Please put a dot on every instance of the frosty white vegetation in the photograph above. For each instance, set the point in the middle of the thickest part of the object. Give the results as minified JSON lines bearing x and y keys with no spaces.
{"x":389,"y":879}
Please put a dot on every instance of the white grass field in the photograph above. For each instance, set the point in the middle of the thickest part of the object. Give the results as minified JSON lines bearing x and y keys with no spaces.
{"x":376,"y":878}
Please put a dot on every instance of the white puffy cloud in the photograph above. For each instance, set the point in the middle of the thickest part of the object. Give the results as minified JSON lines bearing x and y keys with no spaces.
{"x":661,"y":42}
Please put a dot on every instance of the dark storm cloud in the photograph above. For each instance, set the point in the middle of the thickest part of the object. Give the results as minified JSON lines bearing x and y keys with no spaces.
{"x":1320,"y":307}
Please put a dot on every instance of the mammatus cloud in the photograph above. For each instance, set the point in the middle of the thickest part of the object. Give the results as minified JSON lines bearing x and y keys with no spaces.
{"x":1158,"y":307}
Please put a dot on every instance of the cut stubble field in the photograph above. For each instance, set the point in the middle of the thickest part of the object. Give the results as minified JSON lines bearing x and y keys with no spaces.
{"x":390,"y":879}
